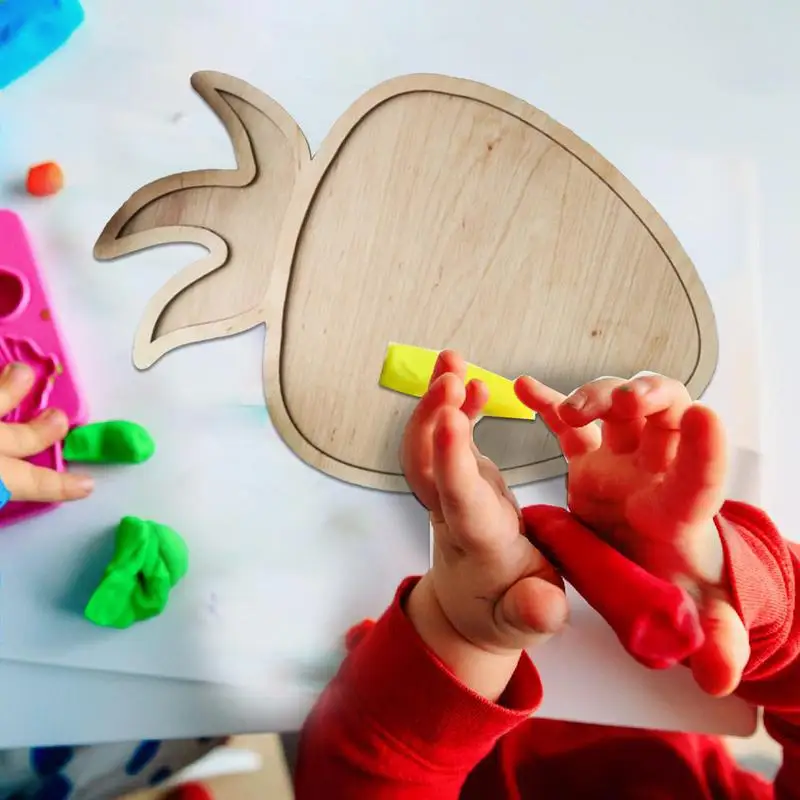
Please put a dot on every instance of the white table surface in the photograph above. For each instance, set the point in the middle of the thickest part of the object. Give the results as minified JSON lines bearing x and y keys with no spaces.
{"x":712,"y":77}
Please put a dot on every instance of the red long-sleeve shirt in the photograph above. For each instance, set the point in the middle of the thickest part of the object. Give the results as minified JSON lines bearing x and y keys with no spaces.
{"x":395,"y":724}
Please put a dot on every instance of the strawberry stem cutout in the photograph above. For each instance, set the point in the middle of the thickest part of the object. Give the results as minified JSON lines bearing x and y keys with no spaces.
{"x":655,"y":621}
{"x":436,"y":211}
{"x":216,"y":209}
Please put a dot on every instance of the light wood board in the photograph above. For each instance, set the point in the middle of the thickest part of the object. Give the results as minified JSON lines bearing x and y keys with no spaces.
{"x":438,"y":212}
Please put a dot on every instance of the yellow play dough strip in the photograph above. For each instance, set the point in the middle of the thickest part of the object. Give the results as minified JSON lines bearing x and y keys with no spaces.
{"x":408,"y":369}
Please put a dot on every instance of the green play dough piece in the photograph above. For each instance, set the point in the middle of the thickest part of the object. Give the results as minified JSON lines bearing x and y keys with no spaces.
{"x":148,"y":562}
{"x":113,"y":442}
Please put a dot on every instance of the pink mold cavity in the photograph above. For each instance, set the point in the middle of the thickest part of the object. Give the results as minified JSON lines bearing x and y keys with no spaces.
{"x":14,"y":294}
{"x":29,"y":334}
{"x":45,"y":368}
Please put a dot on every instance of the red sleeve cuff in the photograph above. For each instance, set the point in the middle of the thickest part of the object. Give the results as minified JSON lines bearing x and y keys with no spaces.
{"x":761,"y":572}
{"x":401,"y":687}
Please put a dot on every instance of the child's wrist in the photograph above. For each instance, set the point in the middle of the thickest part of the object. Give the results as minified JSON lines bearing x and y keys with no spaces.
{"x":484,"y":672}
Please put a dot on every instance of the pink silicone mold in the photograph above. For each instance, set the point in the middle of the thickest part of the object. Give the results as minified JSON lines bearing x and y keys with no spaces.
{"x":29,"y":333}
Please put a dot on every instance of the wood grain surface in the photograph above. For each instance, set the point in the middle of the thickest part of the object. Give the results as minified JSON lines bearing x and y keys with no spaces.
{"x":438,"y":212}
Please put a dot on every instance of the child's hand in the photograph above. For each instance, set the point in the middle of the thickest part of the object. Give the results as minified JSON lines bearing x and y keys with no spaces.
{"x":490,"y":593}
{"x":19,"y":441}
{"x":649,"y":480}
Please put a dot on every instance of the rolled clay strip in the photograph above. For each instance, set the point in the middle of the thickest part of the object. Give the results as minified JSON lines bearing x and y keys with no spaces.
{"x":407,"y":369}
{"x":656,"y":621}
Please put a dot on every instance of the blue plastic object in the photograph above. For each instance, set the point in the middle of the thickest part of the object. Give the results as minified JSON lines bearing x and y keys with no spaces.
{"x":31,"y":30}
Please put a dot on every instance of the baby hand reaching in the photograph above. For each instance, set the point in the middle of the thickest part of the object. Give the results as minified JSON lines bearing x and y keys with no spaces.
{"x":489,"y":593}
{"x":649,"y":480}
{"x":18,"y":441}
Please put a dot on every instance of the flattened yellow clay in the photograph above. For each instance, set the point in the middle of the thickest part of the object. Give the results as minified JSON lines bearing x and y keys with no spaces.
{"x":407,"y":369}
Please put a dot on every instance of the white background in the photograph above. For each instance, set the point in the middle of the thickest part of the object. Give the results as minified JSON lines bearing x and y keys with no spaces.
{"x":695,"y":103}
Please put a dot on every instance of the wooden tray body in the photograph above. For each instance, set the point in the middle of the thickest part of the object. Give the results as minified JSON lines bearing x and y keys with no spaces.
{"x":438,"y":212}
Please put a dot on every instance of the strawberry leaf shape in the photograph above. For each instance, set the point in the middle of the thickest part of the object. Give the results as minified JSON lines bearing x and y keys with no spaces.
{"x":220,"y":295}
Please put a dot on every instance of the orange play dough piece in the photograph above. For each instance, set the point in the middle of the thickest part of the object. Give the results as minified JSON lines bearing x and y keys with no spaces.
{"x":45,"y":179}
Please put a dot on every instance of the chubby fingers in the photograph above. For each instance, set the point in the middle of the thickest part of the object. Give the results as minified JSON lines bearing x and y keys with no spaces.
{"x":719,"y":665}
{"x":476,"y":398}
{"x":595,"y":401}
{"x":446,"y":390}
{"x":30,"y":483}
{"x":476,"y":392}
{"x":16,"y":380}
{"x":694,"y":485}
{"x":640,"y":415}
{"x":455,"y":468}
{"x":23,"y":440}
{"x":20,"y":440}
{"x":416,"y":450}
{"x":661,"y":402}
{"x":575,"y":440}
{"x":448,"y":361}
{"x":469,"y":487}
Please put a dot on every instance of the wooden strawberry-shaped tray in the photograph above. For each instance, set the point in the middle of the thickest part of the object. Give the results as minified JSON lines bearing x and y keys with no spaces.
{"x":438,"y":212}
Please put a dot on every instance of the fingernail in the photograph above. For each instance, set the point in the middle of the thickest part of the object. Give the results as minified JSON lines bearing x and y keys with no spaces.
{"x":577,"y":400}
{"x":15,"y":371}
{"x":83,"y":484}
{"x":641,"y":386}
{"x":49,"y":414}
{"x":645,"y":373}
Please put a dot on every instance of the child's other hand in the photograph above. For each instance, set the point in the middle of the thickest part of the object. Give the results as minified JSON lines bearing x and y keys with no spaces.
{"x":19,"y":441}
{"x":489,"y":588}
{"x":650,"y":479}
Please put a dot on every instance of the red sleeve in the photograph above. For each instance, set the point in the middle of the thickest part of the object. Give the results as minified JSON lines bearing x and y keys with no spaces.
{"x":395,"y":724}
{"x":764,"y":570}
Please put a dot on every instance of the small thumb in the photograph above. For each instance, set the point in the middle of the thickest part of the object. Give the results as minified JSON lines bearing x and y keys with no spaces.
{"x":718,"y":666}
{"x":533,"y":605}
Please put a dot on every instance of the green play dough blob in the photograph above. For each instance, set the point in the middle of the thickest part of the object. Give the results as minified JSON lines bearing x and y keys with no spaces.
{"x":113,"y":442}
{"x":148,"y":562}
